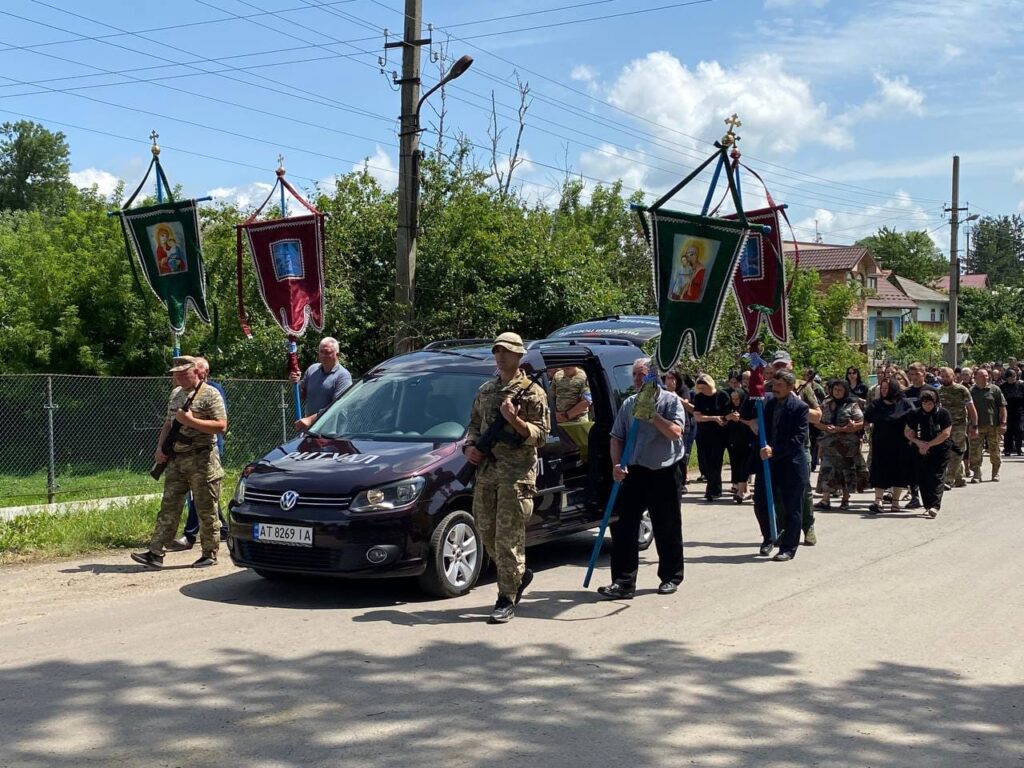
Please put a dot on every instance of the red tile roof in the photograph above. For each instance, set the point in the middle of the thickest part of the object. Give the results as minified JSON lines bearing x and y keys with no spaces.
{"x":827,"y":258}
{"x":888,"y":295}
{"x":979,"y":280}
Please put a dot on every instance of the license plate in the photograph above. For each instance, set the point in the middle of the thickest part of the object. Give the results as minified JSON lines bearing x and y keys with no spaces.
{"x":293,"y":535}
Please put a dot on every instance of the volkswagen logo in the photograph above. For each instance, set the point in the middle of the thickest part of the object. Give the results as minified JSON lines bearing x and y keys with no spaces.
{"x":288,"y":500}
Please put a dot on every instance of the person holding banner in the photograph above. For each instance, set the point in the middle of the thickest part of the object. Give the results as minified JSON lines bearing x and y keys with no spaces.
{"x":650,"y":481}
{"x":785,"y":420}
{"x":321,"y":384}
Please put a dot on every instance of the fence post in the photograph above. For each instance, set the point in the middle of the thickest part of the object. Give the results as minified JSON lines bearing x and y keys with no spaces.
{"x":284,"y":418}
{"x":51,"y":469}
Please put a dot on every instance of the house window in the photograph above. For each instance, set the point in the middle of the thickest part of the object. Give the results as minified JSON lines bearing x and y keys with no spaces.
{"x":933,"y":314}
{"x":884,"y":328}
{"x":873,"y":283}
{"x":855,"y":331}
{"x":942,"y":315}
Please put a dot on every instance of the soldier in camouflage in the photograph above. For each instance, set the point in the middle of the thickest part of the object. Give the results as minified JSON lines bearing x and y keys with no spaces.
{"x":572,"y":396}
{"x":195,"y":465}
{"x":956,"y":398}
{"x":506,"y":485}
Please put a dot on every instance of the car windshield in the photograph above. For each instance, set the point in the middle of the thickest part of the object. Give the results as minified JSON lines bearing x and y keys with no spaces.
{"x":403,"y":406}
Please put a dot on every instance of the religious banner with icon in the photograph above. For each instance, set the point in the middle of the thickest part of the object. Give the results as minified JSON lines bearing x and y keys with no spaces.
{"x":694,"y":258}
{"x":760,"y":279}
{"x":288,"y":254}
{"x":165,"y":240}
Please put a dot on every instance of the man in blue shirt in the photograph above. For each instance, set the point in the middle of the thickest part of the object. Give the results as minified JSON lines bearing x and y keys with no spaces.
{"x":650,"y":481}
{"x":321,"y":384}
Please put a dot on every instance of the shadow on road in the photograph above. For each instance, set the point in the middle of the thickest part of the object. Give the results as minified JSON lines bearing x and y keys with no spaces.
{"x":487,"y":703}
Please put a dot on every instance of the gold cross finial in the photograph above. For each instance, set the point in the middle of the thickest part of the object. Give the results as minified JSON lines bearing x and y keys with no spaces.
{"x":280,"y":165}
{"x":734,"y":122}
{"x":155,"y":149}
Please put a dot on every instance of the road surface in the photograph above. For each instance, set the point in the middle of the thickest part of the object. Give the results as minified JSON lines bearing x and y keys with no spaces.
{"x":896,"y":642}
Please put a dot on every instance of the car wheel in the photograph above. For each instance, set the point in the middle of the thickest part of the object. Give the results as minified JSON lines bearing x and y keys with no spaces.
{"x":646,"y":532}
{"x":456,"y":556}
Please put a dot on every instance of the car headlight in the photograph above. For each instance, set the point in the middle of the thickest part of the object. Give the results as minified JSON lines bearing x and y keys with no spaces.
{"x":390,"y":496}
{"x":239,"y":497}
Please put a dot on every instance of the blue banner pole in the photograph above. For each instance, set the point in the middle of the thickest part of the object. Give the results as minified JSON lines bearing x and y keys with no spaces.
{"x":714,"y":184}
{"x":293,"y":348}
{"x":768,"y":495}
{"x":627,"y":454}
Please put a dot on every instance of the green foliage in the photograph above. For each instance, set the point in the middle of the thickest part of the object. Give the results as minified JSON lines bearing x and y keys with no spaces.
{"x":909,"y":254}
{"x":995,"y":322}
{"x":817,"y":323}
{"x":917,"y":344}
{"x":997,"y":249}
{"x":34,"y":167}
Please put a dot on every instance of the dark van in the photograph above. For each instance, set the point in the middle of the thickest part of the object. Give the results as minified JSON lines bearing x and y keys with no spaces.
{"x":372,"y":490}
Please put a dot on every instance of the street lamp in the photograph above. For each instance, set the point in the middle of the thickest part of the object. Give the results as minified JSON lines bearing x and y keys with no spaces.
{"x":409,"y":198}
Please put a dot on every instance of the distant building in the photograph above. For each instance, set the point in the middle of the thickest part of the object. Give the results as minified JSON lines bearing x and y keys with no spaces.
{"x":889,"y":309}
{"x":842,"y":263}
{"x":932,"y":305}
{"x":978,"y":280}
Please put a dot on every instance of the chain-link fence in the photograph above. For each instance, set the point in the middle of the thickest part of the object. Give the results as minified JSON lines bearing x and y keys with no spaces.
{"x":65,"y":438}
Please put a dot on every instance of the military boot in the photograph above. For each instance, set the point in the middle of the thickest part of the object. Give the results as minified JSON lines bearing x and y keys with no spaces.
{"x":503,"y":611}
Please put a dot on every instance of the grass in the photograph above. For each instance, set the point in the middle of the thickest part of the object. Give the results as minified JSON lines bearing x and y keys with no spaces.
{"x":20,"y":490}
{"x":45,"y":536}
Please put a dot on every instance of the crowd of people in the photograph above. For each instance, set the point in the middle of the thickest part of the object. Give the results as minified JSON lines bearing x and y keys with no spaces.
{"x":915,"y":434}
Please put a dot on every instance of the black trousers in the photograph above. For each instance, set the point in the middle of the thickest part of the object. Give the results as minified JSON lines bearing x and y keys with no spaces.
{"x":711,"y":452}
{"x":1014,"y":432}
{"x":930,"y":471}
{"x":739,"y":462}
{"x":657,"y":491}
{"x":789,"y":482}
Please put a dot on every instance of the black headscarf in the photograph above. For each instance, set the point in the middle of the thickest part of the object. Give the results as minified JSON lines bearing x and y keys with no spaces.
{"x":840,"y":402}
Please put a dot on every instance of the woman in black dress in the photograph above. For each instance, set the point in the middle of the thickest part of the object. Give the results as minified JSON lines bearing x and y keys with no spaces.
{"x":709,"y":408}
{"x":857,"y":386}
{"x":891,"y":457}
{"x":928,"y":429}
{"x":739,"y":442}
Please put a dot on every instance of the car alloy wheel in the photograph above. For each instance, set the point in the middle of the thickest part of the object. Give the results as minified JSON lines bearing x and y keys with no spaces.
{"x":460,"y":554}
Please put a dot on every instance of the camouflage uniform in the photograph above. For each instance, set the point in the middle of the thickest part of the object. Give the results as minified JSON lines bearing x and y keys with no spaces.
{"x":806,"y":393}
{"x":988,"y":401}
{"x":505,"y":487}
{"x":843,"y":469}
{"x":954,"y":398}
{"x":195,"y":467}
{"x":569,"y":391}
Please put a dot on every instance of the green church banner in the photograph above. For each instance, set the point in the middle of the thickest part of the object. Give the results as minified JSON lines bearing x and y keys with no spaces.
{"x":694,"y":261}
{"x":165,"y":240}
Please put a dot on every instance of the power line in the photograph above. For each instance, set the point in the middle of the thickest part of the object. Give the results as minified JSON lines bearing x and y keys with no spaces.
{"x":529,"y":13}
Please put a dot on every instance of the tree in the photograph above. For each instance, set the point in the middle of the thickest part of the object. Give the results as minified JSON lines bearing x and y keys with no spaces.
{"x":916,"y":343}
{"x":909,"y":254}
{"x":997,"y":249}
{"x":34,"y":167}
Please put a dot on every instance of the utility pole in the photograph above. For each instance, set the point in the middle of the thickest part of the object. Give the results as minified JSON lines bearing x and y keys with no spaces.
{"x":408,"y":173}
{"x":954,"y":263}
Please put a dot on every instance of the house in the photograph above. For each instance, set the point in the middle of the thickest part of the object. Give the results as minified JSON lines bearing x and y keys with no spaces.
{"x":932,"y":305}
{"x":889,"y":309}
{"x":841,"y":263}
{"x":978,"y":280}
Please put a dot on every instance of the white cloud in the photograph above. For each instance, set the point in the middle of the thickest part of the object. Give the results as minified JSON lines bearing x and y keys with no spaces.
{"x":900,"y":213}
{"x":247,"y":196}
{"x":583,"y":73}
{"x":1018,"y":176}
{"x":951,"y":52}
{"x":104,"y":181}
{"x":379,"y":165}
{"x":895,"y":97}
{"x":778,"y":108}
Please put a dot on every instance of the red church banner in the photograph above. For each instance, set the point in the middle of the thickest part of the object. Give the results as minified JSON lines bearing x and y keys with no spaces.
{"x":760,"y":278}
{"x":289,"y":258}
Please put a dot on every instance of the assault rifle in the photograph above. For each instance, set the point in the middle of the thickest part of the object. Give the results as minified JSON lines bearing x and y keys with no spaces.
{"x":167,"y":446}
{"x":497,"y":433}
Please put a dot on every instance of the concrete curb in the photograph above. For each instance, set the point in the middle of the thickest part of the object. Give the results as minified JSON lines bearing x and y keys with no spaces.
{"x":66,"y":507}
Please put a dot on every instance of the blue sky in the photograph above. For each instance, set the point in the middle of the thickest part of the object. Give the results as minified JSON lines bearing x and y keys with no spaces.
{"x":851,"y":109}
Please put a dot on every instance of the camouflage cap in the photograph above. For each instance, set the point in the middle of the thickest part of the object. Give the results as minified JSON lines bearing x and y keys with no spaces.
{"x":182,"y":363}
{"x":513,"y":342}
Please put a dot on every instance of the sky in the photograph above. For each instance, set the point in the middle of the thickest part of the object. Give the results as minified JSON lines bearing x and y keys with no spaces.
{"x":851,"y":110}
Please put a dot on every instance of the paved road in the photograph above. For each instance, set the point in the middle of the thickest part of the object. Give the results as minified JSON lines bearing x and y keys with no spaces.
{"x":896,"y":642}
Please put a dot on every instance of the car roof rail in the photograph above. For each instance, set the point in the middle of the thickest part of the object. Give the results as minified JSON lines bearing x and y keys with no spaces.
{"x":445,"y":343}
{"x":580,"y":342}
